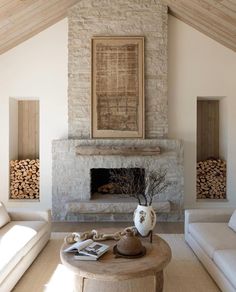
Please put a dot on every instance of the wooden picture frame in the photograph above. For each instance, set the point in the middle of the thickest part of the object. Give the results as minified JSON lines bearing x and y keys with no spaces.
{"x":117,"y":105}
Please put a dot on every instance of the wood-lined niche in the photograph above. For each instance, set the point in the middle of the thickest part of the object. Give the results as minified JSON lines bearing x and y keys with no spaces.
{"x":211,"y":168}
{"x":24,"y":149}
{"x":28,"y":129}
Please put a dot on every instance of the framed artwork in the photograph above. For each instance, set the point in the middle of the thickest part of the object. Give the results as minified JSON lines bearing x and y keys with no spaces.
{"x":117,"y":87}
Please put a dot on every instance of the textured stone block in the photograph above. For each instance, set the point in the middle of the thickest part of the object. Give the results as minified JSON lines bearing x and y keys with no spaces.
{"x":71,"y":173}
{"x":89,"y":18}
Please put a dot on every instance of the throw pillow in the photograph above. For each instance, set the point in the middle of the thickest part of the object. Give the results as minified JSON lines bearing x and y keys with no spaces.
{"x":4,"y":217}
{"x":232,"y":221}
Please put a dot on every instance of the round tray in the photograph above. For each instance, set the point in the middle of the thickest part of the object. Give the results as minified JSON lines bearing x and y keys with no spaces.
{"x":120,"y":255}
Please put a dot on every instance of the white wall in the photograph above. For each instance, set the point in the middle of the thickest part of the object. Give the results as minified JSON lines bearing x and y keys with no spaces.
{"x":199,"y":66}
{"x":36,"y":68}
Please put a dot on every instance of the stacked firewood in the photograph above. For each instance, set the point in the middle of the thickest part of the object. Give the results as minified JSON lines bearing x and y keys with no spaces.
{"x":211,"y":179}
{"x":110,"y":188}
{"x":24,"y":179}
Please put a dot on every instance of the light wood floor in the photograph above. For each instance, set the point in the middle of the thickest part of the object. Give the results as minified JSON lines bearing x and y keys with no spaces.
{"x":161,"y":227}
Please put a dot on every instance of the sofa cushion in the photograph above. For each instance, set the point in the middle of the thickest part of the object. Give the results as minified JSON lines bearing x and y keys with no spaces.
{"x":226,"y":262}
{"x":4,"y":217}
{"x":232,"y":221}
{"x":16,"y":239}
{"x":213,"y":236}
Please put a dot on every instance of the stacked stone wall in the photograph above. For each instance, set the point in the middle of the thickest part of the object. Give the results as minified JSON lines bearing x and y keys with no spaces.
{"x":90,"y":18}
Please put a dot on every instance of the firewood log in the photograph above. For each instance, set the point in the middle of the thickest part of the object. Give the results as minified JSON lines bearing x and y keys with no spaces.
{"x":211,"y":179}
{"x":24,"y":179}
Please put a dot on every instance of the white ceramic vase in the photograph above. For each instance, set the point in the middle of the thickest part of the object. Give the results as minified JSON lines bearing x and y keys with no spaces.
{"x":144,"y":219}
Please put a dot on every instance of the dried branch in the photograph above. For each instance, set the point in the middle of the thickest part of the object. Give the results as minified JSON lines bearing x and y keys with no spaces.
{"x":140,"y":185}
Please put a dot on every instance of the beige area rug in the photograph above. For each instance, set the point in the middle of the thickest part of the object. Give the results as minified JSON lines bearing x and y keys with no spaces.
{"x":184,"y":273}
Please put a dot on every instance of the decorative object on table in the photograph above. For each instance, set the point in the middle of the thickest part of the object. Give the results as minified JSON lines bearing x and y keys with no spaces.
{"x":143,"y":187}
{"x":87,"y":250}
{"x":144,"y":219}
{"x":119,"y":255}
{"x":117,"y":87}
{"x":95,"y":235}
{"x":129,"y":246}
{"x":79,"y":236}
{"x":120,"y":274}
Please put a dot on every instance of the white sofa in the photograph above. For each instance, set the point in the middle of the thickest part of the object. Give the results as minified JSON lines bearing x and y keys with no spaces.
{"x":208,"y":234}
{"x":21,"y":240}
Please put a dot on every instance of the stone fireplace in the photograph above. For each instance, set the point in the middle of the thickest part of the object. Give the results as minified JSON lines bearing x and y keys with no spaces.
{"x":72,"y":190}
{"x":72,"y":198}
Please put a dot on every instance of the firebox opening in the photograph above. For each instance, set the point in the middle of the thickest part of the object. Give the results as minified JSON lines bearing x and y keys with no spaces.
{"x":103,"y":182}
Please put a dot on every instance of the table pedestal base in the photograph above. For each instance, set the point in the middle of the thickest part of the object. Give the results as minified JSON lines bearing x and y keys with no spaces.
{"x":144,"y":284}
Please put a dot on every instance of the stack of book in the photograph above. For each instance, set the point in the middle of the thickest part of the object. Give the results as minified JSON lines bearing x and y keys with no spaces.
{"x":87,"y":250}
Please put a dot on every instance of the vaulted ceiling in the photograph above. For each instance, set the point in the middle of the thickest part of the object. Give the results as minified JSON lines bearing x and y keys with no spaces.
{"x":22,"y":19}
{"x":215,"y":18}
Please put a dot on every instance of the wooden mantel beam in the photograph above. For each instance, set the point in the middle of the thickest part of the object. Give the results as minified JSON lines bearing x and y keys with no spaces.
{"x":117,"y":150}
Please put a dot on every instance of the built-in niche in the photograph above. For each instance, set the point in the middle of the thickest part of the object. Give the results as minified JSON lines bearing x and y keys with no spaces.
{"x":211,"y":148}
{"x":24,"y":149}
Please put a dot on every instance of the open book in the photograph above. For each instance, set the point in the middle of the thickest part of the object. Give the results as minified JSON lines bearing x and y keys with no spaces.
{"x":87,"y":250}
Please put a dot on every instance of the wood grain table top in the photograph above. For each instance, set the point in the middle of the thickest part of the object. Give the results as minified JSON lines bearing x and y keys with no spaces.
{"x":108,"y":267}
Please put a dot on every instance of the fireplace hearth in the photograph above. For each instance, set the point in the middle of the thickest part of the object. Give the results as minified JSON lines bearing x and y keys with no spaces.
{"x":72,"y":196}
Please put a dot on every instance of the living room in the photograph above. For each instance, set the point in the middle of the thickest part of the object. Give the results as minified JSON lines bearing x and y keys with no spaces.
{"x":182,"y":63}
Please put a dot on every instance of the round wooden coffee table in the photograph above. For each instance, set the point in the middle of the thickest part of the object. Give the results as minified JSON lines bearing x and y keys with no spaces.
{"x":121,"y":274}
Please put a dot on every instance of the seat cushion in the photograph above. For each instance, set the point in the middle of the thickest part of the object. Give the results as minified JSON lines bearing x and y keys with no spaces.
{"x":226,"y":262}
{"x":232,"y":221}
{"x":213,"y":236}
{"x":4,"y":217}
{"x":16,"y":239}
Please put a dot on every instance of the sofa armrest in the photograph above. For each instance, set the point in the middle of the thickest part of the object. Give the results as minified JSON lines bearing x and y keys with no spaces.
{"x":207,"y":215}
{"x":30,"y":215}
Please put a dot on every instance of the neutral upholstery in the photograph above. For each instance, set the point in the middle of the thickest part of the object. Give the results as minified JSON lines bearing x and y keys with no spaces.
{"x":12,"y":248}
{"x":4,"y":217}
{"x":213,"y":236}
{"x":226,"y":261}
{"x":214,"y":242}
{"x":20,"y":242}
{"x":232,"y":221}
